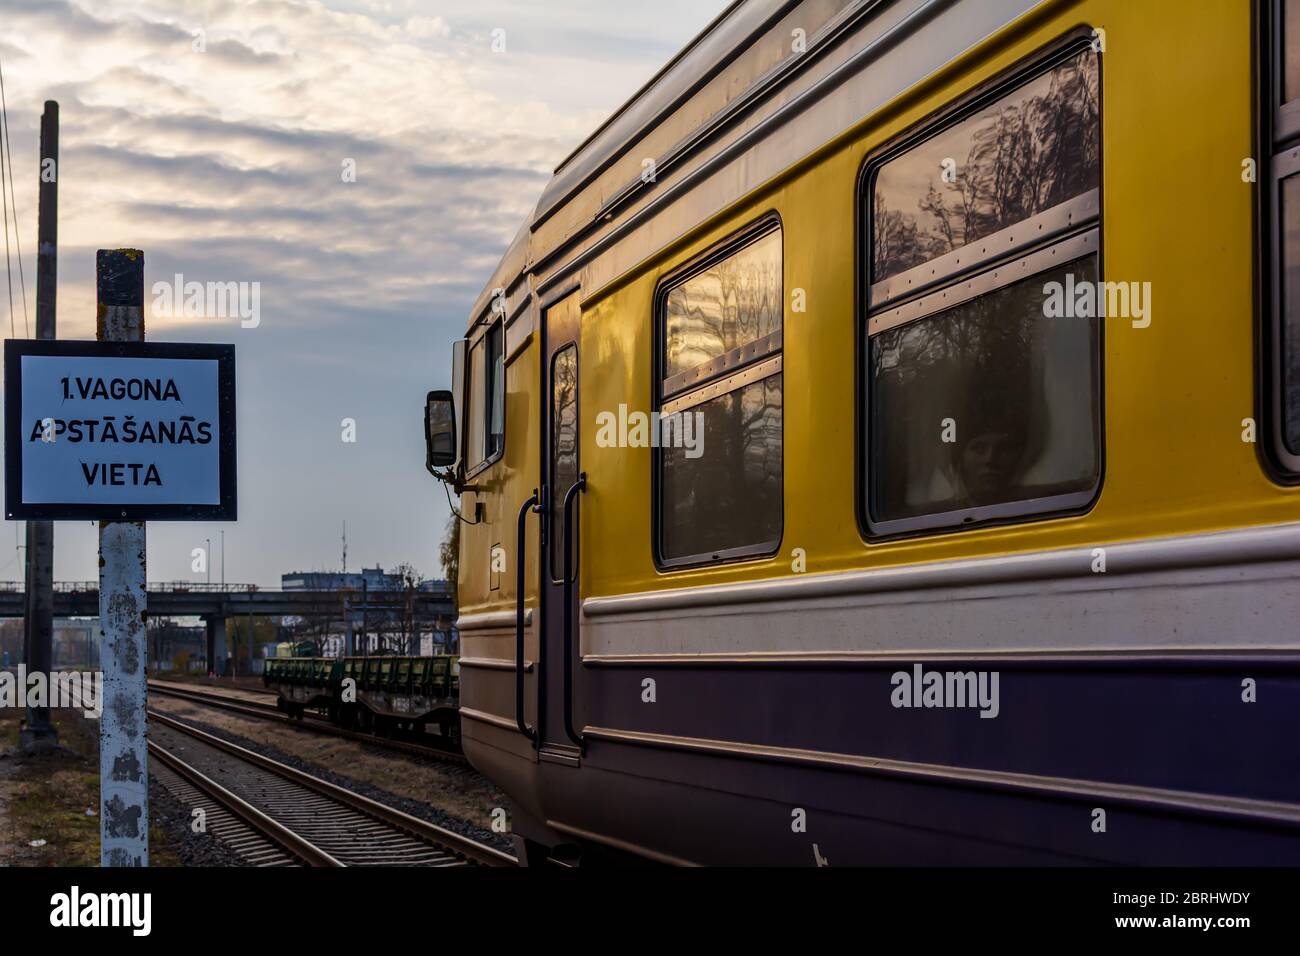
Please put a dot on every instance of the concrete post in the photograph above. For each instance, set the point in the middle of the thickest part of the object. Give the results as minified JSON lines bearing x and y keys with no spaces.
{"x":218,"y":651}
{"x":38,"y":623}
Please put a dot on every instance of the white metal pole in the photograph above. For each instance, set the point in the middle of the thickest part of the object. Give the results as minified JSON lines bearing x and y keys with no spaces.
{"x":123,"y":758}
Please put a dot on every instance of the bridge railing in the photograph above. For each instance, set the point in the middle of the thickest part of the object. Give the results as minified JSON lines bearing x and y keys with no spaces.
{"x":173,"y":586}
{"x":164,"y":587}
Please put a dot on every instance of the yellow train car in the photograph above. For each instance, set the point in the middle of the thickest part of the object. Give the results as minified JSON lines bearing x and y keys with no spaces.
{"x":879,"y":447}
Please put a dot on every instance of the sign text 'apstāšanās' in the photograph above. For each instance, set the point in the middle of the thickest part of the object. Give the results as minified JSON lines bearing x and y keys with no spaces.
{"x":125,"y":430}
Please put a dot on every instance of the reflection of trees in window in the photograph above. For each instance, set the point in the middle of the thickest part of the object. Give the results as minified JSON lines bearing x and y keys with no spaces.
{"x":1290,"y":203}
{"x":985,"y":364}
{"x":725,"y":307}
{"x":564,"y":442}
{"x":564,"y":384}
{"x":729,"y":497}
{"x":1284,"y":48}
{"x":1032,"y":150}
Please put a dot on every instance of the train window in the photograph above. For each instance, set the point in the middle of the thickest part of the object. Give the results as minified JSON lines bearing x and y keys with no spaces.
{"x":1289,"y":216}
{"x":719,"y":461}
{"x":729,"y":497}
{"x":1284,"y":237}
{"x":986,"y":404}
{"x":564,"y":445}
{"x":983,"y":384}
{"x":474,"y":446}
{"x":494,"y":417}
{"x":485,"y":425}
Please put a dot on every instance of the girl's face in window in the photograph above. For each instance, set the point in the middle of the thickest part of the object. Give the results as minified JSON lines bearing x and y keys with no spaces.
{"x":989,"y":466}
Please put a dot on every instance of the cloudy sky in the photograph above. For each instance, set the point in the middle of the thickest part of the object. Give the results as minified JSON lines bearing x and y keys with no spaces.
{"x":213,"y":134}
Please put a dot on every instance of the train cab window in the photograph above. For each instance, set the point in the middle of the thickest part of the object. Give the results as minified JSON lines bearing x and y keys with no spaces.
{"x":474,"y":447}
{"x":1284,"y":239}
{"x":984,"y":310}
{"x":494,"y":416}
{"x":719,"y":461}
{"x":485,"y":427}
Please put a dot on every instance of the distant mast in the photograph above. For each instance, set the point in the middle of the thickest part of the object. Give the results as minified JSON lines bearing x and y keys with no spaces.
{"x":345,"y":547}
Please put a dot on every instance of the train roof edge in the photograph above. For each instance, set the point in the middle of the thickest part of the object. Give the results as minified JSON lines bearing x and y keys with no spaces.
{"x":670,"y":92}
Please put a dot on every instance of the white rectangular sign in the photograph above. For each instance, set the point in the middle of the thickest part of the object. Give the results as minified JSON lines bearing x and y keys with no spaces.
{"x":119,"y":430}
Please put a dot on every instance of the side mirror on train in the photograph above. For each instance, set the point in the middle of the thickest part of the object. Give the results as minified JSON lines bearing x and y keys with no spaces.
{"x":439,"y":432}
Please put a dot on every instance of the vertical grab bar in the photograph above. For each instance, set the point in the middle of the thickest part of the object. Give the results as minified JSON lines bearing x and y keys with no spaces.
{"x":570,"y":578}
{"x":520,"y":561}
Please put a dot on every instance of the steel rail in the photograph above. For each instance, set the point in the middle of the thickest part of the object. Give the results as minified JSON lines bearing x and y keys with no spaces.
{"x":430,"y":833}
{"x":252,"y":708}
{"x":300,"y":847}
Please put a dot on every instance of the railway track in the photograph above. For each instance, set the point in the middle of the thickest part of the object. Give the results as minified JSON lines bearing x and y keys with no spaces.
{"x":261,"y":711}
{"x":281,"y":815}
{"x":247,"y":841}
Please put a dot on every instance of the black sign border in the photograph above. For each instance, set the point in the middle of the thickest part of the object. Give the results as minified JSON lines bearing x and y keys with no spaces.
{"x":16,"y":509}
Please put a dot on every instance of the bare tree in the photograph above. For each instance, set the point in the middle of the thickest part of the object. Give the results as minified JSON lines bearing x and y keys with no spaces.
{"x":449,"y":554}
{"x":409,"y":579}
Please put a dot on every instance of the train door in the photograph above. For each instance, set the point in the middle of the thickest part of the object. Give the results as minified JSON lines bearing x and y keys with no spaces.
{"x":563,"y":484}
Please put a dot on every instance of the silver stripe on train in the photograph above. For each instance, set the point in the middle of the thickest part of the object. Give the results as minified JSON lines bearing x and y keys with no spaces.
{"x":1182,"y":593}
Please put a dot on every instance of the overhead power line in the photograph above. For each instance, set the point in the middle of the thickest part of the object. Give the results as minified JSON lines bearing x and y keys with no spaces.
{"x":11,"y":201}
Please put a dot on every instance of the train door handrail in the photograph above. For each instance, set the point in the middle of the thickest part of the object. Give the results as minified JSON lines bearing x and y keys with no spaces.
{"x":530,"y":505}
{"x":570,"y":578}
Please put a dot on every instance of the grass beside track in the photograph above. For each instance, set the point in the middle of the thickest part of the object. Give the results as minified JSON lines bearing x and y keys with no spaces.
{"x":46,"y":798}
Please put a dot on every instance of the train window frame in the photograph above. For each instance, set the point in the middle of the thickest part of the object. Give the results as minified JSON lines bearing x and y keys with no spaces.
{"x":728,"y":373}
{"x":1279,"y":136}
{"x":480,"y":405}
{"x":1053,"y":230}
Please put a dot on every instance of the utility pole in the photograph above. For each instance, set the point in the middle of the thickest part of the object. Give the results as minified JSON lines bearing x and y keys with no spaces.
{"x":123,"y":759}
{"x":38,"y":620}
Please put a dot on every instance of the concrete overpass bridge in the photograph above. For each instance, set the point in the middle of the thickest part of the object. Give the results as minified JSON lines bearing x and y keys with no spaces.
{"x":214,"y":603}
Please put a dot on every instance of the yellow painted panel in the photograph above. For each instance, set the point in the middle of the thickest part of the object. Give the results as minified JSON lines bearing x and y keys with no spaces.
{"x":1176,"y":121}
